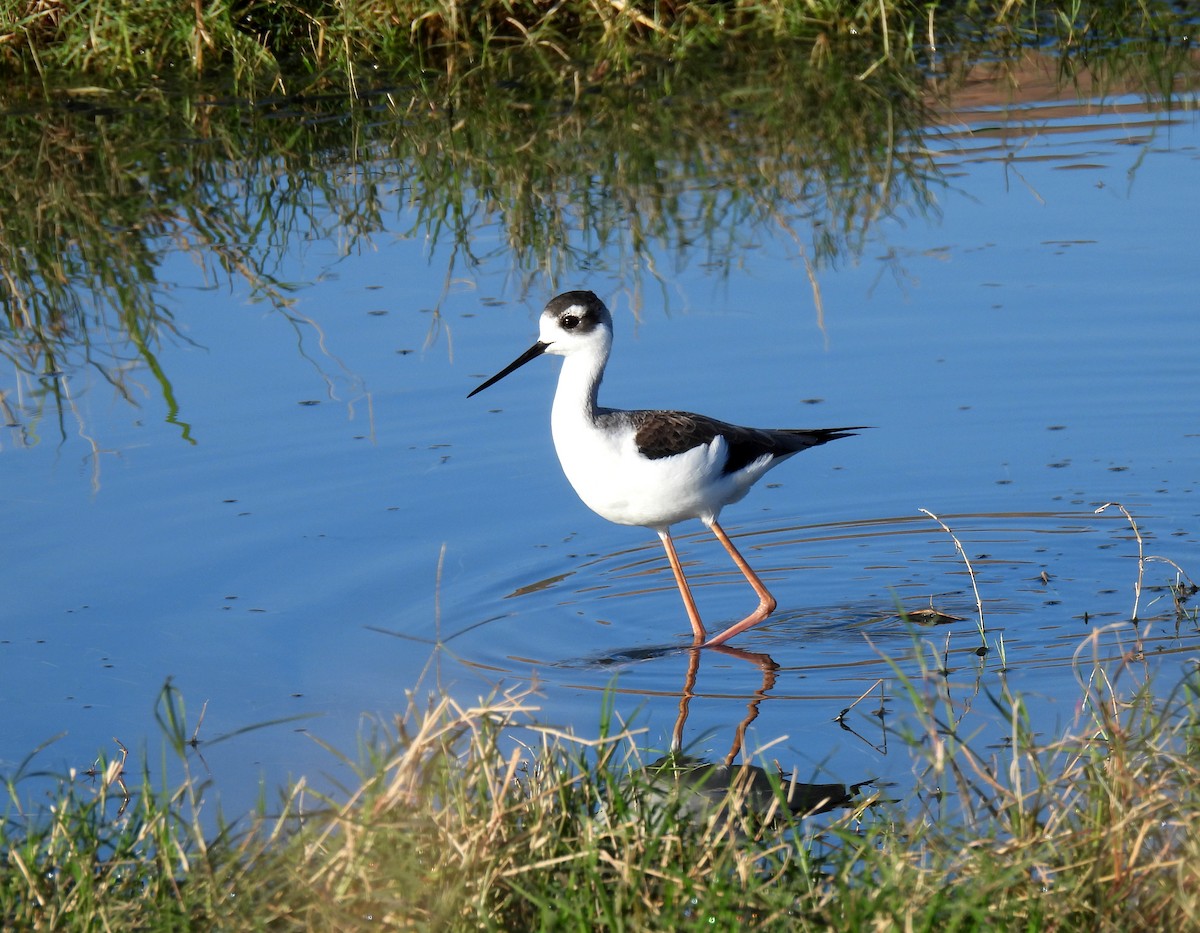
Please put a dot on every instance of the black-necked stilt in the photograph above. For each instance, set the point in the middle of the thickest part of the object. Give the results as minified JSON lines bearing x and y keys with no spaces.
{"x":652,"y":468}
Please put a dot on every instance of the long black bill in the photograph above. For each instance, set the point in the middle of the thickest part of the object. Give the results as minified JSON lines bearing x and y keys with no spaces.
{"x":533,"y":352}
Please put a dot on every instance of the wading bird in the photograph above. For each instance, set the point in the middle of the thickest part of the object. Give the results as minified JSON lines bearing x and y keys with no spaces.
{"x":652,"y":468}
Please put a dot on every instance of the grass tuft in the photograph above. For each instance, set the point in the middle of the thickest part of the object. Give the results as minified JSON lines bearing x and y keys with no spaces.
{"x":471,"y":816}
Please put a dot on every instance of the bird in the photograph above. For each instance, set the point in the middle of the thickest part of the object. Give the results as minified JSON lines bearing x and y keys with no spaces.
{"x":652,"y":468}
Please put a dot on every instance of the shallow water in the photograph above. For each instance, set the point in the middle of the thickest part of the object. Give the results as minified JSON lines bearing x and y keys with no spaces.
{"x":326,"y":504}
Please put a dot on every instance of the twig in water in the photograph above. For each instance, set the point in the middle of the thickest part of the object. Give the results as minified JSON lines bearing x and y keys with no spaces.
{"x":195,"y":739}
{"x":970,"y":572}
{"x":1137,"y":586}
{"x":862,"y":696}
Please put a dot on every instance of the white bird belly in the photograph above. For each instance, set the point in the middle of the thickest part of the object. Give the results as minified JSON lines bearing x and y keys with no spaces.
{"x":617,"y":482}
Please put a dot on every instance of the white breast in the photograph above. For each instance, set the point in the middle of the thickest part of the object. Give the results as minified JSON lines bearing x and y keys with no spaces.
{"x":617,"y":482}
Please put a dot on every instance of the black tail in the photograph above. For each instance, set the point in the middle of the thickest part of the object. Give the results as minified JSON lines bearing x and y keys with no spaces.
{"x":748,"y":444}
{"x":815,"y":437}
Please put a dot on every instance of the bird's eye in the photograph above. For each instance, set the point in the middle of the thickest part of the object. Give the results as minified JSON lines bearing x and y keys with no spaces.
{"x":569,"y":321}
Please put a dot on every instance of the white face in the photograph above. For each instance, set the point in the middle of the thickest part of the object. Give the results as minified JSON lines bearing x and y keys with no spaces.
{"x":573,"y":322}
{"x":576,"y":322}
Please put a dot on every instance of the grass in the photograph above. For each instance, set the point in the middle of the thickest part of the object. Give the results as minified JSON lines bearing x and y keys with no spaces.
{"x":475,"y":816}
{"x":275,"y":40}
{"x":454,"y":825}
{"x":571,"y":157}
{"x":696,"y":162}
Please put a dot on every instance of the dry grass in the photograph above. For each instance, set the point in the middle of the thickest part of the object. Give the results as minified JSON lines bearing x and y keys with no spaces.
{"x":477,"y":817}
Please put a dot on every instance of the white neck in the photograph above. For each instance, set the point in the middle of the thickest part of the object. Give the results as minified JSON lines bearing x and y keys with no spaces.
{"x":578,"y":387}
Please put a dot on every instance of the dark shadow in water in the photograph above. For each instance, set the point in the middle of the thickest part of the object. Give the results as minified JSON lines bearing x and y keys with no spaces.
{"x":620,"y":657}
{"x":696,"y":787}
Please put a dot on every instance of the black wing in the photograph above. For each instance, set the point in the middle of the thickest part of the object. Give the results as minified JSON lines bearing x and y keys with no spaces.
{"x":666,"y":433}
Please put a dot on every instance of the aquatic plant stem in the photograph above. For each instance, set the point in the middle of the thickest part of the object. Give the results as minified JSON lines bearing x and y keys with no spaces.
{"x":970,"y":572}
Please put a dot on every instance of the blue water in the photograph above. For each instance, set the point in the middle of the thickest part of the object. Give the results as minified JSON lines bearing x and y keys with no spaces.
{"x":1027,"y":352}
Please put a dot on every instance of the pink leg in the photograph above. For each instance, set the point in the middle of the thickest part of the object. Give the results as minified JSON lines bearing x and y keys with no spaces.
{"x":684,"y":590}
{"x":766,"y":602}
